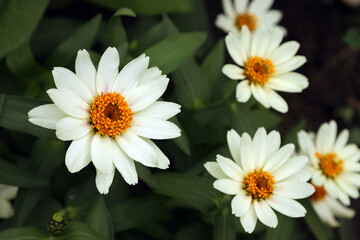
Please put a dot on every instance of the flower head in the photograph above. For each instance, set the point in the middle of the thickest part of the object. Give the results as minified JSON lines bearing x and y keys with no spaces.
{"x":240,"y":13}
{"x":328,"y":208}
{"x":109,"y":116}
{"x":6,"y":194}
{"x":264,"y":66}
{"x":334,"y":164}
{"x":262,"y":177}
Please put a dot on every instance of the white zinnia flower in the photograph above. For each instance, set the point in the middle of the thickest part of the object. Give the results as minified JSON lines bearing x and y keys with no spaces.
{"x":334,"y":164}
{"x":6,"y":194}
{"x":109,"y":116}
{"x":252,"y":15}
{"x":263,"y":177}
{"x":328,"y":208}
{"x":265,"y":67}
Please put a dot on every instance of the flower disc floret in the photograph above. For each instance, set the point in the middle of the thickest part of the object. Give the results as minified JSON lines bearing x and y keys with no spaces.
{"x":110,"y":114}
{"x":319,"y":194}
{"x":258,"y":70}
{"x":247,"y":19}
{"x":330,"y":165}
{"x":259,"y":184}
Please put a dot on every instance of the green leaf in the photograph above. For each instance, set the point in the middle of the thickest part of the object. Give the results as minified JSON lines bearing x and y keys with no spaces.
{"x":193,"y":191}
{"x":99,"y":219}
{"x":352,"y":38}
{"x":79,"y":231}
{"x":240,"y":118}
{"x":11,"y":174}
{"x":25,"y":201}
{"x":13,"y":115}
{"x":139,"y":211}
{"x":182,"y":141}
{"x":18,"y":19}
{"x":23,"y":233}
{"x":291,"y":137}
{"x":283,"y":231}
{"x":175,"y":50}
{"x":146,"y":7}
{"x":224,"y":225}
{"x":145,"y":175}
{"x":213,"y":63}
{"x":116,"y":28}
{"x":82,"y":38}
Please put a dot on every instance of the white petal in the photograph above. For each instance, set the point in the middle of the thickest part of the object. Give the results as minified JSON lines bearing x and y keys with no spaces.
{"x":103,"y":181}
{"x":107,"y":70}
{"x":70,"y":128}
{"x":258,"y":6}
{"x":230,"y":168}
{"x":154,"y":128}
{"x":129,"y":76}
{"x":78,"y":154}
{"x":102,"y":154}
{"x":326,"y":137}
{"x":270,"y":18}
{"x":279,"y":158}
{"x":240,"y":204}
{"x":241,"y":5}
{"x":247,"y":154}
{"x":260,"y":147}
{"x":243,"y":91}
{"x":228,"y":186}
{"x":350,"y":189}
{"x":275,"y":39}
{"x":124,"y":164}
{"x":234,"y":140}
{"x":318,"y":178}
{"x":160,"y":110}
{"x":295,"y":190}
{"x":69,"y":103}
{"x":163,"y":161}
{"x":348,"y":151}
{"x":273,"y":143}
{"x":307,"y":146}
{"x":233,"y":72}
{"x":228,"y":8}
{"x":67,"y":81}
{"x":276,"y":101}
{"x":324,"y":213}
{"x":283,"y":53}
{"x":265,"y":214}
{"x":290,"y":65}
{"x":301,"y":176}
{"x":286,"y":206}
{"x":150,"y":74}
{"x":352,"y":178}
{"x":225,"y":23}
{"x":292,"y":166}
{"x":85,"y":69}
{"x":338,"y":209}
{"x":341,"y":140}
{"x":260,"y":95}
{"x":46,"y":115}
{"x":248,"y":221}
{"x":146,"y":94}
{"x":283,"y":84}
{"x":6,"y":210}
{"x":214,"y":169}
{"x":260,"y":41}
{"x":136,"y":148}
{"x":8,"y":192}
{"x":238,"y":48}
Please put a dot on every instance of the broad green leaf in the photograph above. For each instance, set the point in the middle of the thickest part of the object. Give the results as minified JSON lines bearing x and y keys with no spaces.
{"x":265,"y":118}
{"x":13,"y":115}
{"x":82,"y":38}
{"x":145,"y":175}
{"x":283,"y":231}
{"x":25,"y":201}
{"x":352,"y":38}
{"x":170,"y":53}
{"x":240,"y":119}
{"x":79,"y":231}
{"x":99,"y":219}
{"x":319,"y":229}
{"x":11,"y":174}
{"x":23,"y":233}
{"x":182,"y":141}
{"x":18,"y":19}
{"x":139,"y":211}
{"x":116,"y":28}
{"x":213,"y":63}
{"x":190,"y":190}
{"x":224,"y":225}
{"x":146,"y":7}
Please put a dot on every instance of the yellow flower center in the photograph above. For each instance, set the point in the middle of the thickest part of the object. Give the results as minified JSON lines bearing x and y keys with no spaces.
{"x":110,"y":114}
{"x":330,"y":164}
{"x":246,"y":19}
{"x":258,"y":70}
{"x":319,"y":193}
{"x":259,"y":184}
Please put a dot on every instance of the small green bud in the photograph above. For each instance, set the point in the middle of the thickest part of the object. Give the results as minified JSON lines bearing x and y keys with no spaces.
{"x":56,"y":224}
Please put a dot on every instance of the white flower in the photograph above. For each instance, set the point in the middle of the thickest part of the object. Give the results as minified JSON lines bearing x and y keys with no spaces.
{"x":109,"y":116}
{"x":334,"y":164}
{"x":6,"y":194}
{"x":265,"y":67}
{"x":252,"y":15}
{"x":263,"y":177}
{"x":328,"y":208}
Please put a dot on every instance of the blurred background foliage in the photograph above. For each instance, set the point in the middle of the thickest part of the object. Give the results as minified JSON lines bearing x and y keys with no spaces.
{"x":181,"y":39}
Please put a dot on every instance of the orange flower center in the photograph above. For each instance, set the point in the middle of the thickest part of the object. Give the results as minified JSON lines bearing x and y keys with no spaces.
{"x":319,"y":193}
{"x":330,"y":164}
{"x":110,"y":114}
{"x":246,"y":19}
{"x":259,"y":184}
{"x":258,"y":70}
